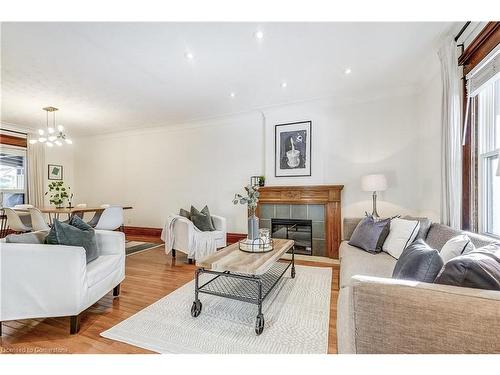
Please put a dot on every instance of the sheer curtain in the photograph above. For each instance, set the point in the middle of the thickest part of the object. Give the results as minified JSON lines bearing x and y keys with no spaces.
{"x":451,"y":154}
{"x":35,"y":172}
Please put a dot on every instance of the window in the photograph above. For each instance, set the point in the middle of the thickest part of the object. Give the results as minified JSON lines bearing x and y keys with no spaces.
{"x":488,"y":122}
{"x":12,"y":175}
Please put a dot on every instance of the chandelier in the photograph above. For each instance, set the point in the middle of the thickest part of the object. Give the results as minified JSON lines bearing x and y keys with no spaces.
{"x":52,"y":135}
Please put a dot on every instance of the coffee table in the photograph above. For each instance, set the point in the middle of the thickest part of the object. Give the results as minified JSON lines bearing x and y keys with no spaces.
{"x":242,"y":276}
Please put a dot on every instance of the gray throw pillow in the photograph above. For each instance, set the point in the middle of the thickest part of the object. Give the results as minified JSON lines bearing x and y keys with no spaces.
{"x":32,"y":237}
{"x":77,"y":222}
{"x":477,"y":269}
{"x":66,"y":234}
{"x":425,"y":225}
{"x":370,"y":234}
{"x":202,"y":220}
{"x":418,"y":262}
{"x":185,"y":213}
{"x":206,"y":211}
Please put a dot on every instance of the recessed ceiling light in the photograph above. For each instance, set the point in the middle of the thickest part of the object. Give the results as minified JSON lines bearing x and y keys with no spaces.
{"x":189,"y":56}
{"x":347,"y":71}
{"x":284,"y":84}
{"x":232,"y":95}
{"x":258,"y":35}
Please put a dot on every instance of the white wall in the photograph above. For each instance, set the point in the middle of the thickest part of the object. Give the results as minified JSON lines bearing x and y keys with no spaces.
{"x":64,"y":156}
{"x":157,"y":171}
{"x":429,"y":109}
{"x":380,"y":135}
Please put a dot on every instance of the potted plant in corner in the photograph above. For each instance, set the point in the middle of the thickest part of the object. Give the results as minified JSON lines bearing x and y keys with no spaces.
{"x":58,"y":193}
{"x":251,"y":199}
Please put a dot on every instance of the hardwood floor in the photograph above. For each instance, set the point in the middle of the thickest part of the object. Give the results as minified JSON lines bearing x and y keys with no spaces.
{"x":150,"y":275}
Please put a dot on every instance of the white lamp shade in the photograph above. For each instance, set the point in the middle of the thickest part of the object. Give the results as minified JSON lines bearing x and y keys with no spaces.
{"x":374,"y":182}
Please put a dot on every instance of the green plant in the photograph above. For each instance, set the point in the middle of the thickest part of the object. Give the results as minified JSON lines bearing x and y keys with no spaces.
{"x":58,"y":193}
{"x":251,"y":199}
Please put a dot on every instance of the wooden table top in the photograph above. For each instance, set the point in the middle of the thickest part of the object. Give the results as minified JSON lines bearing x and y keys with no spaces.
{"x":232,"y":259}
{"x":65,"y":210}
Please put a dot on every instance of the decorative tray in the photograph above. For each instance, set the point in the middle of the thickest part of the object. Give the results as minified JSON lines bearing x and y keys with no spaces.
{"x":255,"y":246}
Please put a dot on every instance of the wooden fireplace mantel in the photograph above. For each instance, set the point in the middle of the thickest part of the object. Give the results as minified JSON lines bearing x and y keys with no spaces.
{"x":327,"y":195}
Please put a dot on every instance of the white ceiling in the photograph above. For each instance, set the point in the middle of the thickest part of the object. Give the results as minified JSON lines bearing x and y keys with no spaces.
{"x":106,"y":77}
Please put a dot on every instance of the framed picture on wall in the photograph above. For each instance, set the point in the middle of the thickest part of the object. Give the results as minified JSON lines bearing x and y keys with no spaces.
{"x":55,"y":172}
{"x":292,"y":149}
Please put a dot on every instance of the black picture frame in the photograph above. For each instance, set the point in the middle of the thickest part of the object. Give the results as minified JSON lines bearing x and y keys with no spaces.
{"x":282,"y":169}
{"x":51,"y":175}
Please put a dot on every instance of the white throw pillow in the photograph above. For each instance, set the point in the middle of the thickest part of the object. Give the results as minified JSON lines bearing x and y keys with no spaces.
{"x":401,"y":234}
{"x":455,"y":247}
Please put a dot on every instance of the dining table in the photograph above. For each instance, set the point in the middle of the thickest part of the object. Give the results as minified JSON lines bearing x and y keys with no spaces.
{"x":70,"y":211}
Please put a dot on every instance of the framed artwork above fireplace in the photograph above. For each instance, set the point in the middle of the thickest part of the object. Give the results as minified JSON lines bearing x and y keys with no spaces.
{"x":292,"y":149}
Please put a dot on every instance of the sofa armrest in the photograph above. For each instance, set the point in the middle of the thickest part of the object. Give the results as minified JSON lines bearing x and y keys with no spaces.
{"x":396,"y":316}
{"x":41,"y":280}
{"x":110,"y":242}
{"x":219,"y":223}
{"x":182,"y":233}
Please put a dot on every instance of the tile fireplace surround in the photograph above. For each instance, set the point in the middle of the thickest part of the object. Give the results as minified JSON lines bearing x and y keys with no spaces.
{"x":319,"y":203}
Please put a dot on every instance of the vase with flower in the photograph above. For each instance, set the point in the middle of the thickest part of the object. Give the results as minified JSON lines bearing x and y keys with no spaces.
{"x":251,"y":199}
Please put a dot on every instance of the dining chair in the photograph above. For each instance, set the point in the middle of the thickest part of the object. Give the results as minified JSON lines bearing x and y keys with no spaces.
{"x":111,"y":218}
{"x":14,"y":221}
{"x":97,"y":215}
{"x":23,"y":206}
{"x":3,"y":223}
{"x":37,"y":220}
{"x":80,"y":214}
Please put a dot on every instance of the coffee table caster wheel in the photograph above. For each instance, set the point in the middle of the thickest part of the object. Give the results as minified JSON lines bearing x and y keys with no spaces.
{"x":293,"y":273}
{"x":196,"y":309}
{"x":259,"y":324}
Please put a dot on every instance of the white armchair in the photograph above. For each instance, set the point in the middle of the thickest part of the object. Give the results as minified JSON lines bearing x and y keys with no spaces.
{"x":42,"y":281}
{"x":180,"y":234}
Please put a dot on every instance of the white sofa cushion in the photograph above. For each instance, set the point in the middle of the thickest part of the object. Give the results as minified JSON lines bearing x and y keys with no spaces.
{"x":401,"y":235}
{"x":354,"y":261}
{"x":101,"y":268}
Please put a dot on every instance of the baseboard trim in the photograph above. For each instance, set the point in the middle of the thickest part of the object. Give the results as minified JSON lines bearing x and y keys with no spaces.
{"x":142,"y":231}
{"x":235,"y":237}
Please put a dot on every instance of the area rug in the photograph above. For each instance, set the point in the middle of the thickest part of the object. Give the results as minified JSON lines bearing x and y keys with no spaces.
{"x":132,"y":247}
{"x":296,"y":316}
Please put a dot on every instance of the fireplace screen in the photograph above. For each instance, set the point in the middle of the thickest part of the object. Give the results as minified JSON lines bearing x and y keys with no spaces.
{"x":294,"y":229}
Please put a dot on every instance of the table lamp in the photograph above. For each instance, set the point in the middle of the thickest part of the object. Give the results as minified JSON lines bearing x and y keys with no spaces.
{"x":374,"y":183}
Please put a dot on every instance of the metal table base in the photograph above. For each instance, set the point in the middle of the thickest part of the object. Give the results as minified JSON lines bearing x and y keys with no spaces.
{"x":241,"y":287}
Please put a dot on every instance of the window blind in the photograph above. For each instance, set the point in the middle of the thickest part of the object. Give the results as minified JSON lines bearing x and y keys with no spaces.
{"x":484,"y":73}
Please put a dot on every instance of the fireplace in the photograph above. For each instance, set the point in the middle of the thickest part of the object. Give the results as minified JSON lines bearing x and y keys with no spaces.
{"x":298,"y":230}
{"x":319,"y":205}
